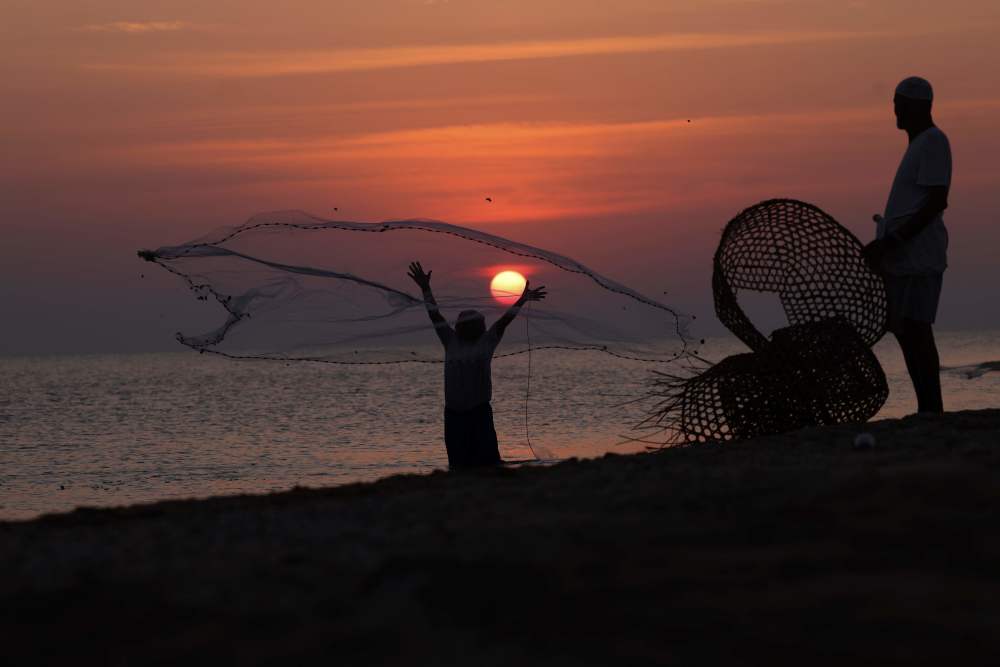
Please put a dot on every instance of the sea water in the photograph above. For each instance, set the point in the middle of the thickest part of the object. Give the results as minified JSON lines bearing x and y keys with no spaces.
{"x":107,"y":430}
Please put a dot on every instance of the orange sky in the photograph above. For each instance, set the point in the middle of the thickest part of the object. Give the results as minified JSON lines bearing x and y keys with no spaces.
{"x":128,"y":125}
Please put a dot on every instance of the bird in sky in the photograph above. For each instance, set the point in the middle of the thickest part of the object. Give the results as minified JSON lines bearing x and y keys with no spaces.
{"x":489,"y":199}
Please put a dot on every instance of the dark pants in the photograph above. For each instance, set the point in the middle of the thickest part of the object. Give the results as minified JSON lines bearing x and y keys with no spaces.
{"x":913,"y":304}
{"x":916,"y":340}
{"x":470,"y":437}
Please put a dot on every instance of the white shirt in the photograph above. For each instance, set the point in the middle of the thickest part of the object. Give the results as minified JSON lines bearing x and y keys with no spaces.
{"x":927,"y":162}
{"x":468,"y":381}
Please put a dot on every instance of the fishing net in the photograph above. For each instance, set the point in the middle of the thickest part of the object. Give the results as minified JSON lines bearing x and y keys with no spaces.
{"x":289,"y":287}
{"x":820,"y":369}
{"x":292,"y":287}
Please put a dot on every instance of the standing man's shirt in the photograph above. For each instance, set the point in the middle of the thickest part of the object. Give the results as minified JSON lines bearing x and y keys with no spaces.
{"x":468,"y":381}
{"x":926,"y":163}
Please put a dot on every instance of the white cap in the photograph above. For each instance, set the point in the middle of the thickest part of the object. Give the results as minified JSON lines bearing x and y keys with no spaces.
{"x":915,"y":88}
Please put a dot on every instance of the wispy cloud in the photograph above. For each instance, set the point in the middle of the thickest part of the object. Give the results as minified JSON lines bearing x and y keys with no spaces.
{"x":252,"y":64}
{"x":549,"y":141}
{"x":459,"y":143}
{"x":136,"y":26}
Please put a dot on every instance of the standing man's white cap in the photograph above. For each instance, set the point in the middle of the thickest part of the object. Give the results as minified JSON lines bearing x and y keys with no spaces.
{"x":915,"y":88}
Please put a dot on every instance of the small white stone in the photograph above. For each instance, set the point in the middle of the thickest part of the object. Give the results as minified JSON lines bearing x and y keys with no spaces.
{"x":864,"y":441}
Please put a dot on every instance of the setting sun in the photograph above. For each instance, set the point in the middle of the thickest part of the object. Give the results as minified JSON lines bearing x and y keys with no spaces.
{"x":507,"y":286}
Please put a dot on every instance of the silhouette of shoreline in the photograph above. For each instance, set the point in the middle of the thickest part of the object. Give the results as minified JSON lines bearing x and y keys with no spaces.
{"x":770,"y":550}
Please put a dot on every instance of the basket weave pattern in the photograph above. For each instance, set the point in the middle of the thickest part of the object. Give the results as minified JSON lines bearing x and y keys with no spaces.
{"x":818,"y":370}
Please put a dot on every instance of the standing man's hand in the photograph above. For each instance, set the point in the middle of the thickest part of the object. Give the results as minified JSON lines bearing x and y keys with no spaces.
{"x":416,"y":272}
{"x":874,"y":253}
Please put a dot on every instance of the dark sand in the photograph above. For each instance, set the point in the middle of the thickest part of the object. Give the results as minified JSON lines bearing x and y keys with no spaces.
{"x":790,"y":549}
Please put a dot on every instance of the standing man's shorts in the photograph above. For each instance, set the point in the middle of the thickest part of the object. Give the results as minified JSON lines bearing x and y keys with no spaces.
{"x":470,"y":437}
{"x":913,"y":298}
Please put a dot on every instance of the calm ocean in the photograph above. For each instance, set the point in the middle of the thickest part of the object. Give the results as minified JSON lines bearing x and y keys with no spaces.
{"x":119,"y":429}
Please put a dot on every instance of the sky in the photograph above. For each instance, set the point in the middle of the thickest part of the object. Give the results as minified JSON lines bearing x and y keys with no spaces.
{"x":622,"y":134}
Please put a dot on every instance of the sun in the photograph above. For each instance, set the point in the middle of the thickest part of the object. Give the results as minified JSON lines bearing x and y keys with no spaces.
{"x":506,"y":286}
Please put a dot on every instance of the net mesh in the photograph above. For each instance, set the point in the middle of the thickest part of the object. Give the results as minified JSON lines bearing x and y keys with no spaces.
{"x":803,"y":255}
{"x":293,"y":287}
{"x":820,"y":369}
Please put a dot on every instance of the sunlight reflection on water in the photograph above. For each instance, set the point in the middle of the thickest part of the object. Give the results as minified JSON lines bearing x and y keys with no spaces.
{"x":119,"y":429}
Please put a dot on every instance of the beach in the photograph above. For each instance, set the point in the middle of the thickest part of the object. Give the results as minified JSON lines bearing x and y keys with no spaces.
{"x":783,"y":549}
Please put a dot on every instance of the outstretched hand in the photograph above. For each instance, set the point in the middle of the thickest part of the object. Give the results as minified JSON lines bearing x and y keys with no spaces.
{"x":536,"y":294}
{"x":416,"y":272}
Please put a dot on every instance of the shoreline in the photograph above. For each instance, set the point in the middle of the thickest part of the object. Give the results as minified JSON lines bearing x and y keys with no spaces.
{"x":779,"y":548}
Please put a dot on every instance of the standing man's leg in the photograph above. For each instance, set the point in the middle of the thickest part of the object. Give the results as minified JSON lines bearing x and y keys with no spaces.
{"x":898,"y":295}
{"x":916,"y":340}
{"x":904,"y":338}
{"x":913,"y":302}
{"x":927,"y":381}
{"x":924,"y":346}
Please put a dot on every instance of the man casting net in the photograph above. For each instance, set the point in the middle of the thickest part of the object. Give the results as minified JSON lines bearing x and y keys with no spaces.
{"x":290,"y":287}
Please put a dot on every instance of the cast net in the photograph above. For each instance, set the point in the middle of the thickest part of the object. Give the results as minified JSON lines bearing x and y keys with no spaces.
{"x":293,"y":287}
{"x":290,"y":287}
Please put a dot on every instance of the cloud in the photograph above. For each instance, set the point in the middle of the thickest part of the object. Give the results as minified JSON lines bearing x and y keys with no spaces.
{"x":251,"y":64}
{"x":495,"y":143}
{"x":133,"y":27}
{"x":460,"y":143}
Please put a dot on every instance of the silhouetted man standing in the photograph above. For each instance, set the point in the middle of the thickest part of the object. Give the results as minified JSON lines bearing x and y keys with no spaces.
{"x":911,"y":244}
{"x":469,"y":434}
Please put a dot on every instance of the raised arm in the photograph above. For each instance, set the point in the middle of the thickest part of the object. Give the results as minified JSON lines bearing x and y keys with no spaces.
{"x":527,"y":295}
{"x":423,"y":281}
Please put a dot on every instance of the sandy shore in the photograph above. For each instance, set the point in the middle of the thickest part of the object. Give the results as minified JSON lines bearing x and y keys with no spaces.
{"x":779,"y":550}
